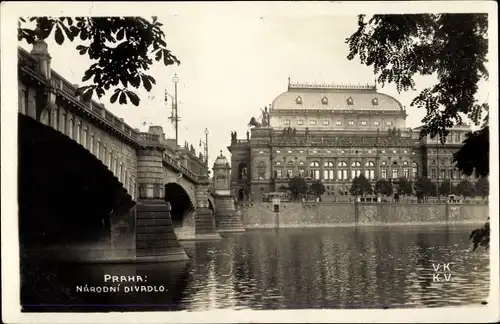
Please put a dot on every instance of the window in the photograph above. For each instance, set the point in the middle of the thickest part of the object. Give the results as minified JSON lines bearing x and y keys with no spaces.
{"x":356,"y":171}
{"x":301,"y":172}
{"x":314,"y":174}
{"x":289,"y":152}
{"x":300,"y":122}
{"x":314,"y":164}
{"x":312,"y":122}
{"x":451,"y":174}
{"x":414,"y":170}
{"x":301,"y":151}
{"x":104,"y":156}
{"x":383,"y":151}
{"x":442,"y":174}
{"x":384,"y":173}
{"x":342,"y":171}
{"x":287,"y":122}
{"x":457,"y":138}
{"x":278,"y":152}
{"x":394,"y":151}
{"x":369,"y":151}
{"x":324,"y":101}
{"x":376,"y":123}
{"x":363,"y":123}
{"x":350,"y":101}
{"x":375,"y":101}
{"x":261,"y":152}
{"x":433,"y":173}
{"x":406,"y":173}
{"x":351,"y":122}
{"x":338,"y":122}
{"x":326,"y":122}
{"x":370,"y":171}
{"x":290,"y":162}
{"x":328,"y":151}
{"x":278,"y":162}
{"x":328,"y":173}
{"x":384,"y":162}
{"x":120,"y":173}
{"x":110,"y":159}
{"x":301,"y":163}
{"x":279,"y":174}
{"x":298,"y":100}
{"x":314,"y":151}
{"x":405,"y":162}
{"x":388,"y":123}
{"x":115,"y":166}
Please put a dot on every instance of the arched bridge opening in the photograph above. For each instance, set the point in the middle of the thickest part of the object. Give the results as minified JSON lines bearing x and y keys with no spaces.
{"x":182,"y":210}
{"x":65,"y":194}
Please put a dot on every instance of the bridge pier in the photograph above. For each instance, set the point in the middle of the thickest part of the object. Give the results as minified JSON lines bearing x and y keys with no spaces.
{"x":227,"y":218}
{"x":204,"y":218}
{"x":156,"y":240}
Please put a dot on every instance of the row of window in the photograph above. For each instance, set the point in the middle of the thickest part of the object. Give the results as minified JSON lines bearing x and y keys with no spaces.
{"x":338,"y":122}
{"x":324,"y":101}
{"x":343,"y":174}
{"x":450,"y":138}
{"x":82,"y":136}
{"x":447,"y":174}
{"x":343,"y":151}
{"x":329,"y":164}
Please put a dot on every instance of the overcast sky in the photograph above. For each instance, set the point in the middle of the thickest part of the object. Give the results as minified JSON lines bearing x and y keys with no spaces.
{"x":234,"y":62}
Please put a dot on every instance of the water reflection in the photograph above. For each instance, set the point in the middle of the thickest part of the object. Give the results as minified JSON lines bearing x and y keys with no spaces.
{"x":311,"y":268}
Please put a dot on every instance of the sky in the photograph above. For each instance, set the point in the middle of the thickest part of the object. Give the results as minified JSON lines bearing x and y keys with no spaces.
{"x":233,"y":63}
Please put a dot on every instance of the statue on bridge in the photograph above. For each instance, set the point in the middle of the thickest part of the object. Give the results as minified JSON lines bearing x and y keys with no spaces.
{"x":191,"y":148}
{"x":233,"y":137}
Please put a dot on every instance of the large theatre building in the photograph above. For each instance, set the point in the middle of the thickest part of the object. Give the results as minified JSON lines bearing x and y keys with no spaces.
{"x":334,"y":133}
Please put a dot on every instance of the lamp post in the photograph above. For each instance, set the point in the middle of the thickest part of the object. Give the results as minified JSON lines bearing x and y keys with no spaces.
{"x":205,"y":145}
{"x":175,"y":117}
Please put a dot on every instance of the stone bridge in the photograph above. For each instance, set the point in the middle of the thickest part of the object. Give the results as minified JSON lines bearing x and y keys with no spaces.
{"x":93,"y":188}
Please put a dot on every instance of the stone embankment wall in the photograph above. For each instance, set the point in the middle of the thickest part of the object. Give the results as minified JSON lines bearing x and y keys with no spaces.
{"x":261,"y":215}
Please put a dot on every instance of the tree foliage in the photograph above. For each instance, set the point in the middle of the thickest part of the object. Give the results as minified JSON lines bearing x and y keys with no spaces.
{"x":446,"y":188}
{"x":424,"y":187}
{"x":317,"y":188}
{"x":123,"y":49}
{"x":481,"y":236}
{"x":483,"y":187}
{"x":451,"y":46}
{"x":465,"y":188}
{"x":405,"y":187}
{"x":297,"y":187}
{"x":384,"y":187}
{"x":474,"y":155}
{"x":360,"y":186}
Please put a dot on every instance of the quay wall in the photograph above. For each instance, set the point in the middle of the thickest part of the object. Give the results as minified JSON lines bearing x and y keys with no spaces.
{"x":330,"y":214}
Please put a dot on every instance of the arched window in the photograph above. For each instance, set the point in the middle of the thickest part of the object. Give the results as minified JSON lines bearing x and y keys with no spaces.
{"x":115,"y":166}
{"x":356,"y":169}
{"x":110,"y":160}
{"x":104,"y":156}
{"x":342,"y":170}
{"x":53,"y":118}
{"x":414,"y":170}
{"x":328,"y":172}
{"x":62,"y":121}
{"x":370,"y":170}
{"x":242,"y":171}
{"x":125,"y":178}
{"x":314,"y":171}
{"x":120,"y":173}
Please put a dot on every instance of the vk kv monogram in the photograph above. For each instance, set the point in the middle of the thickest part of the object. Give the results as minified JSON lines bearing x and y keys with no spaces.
{"x":441,"y":273}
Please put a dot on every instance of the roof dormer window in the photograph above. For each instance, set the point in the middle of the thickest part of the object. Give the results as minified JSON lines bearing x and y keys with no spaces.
{"x":324,"y":101}
{"x":350,"y":101}
{"x":375,"y":101}
{"x":298,"y":100}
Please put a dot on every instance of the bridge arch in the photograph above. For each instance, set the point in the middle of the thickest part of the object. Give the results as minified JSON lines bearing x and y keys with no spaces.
{"x":183,"y":209}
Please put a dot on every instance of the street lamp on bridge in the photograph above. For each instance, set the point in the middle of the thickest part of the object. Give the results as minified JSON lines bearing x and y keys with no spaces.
{"x":174,"y":118}
{"x":205,"y":145}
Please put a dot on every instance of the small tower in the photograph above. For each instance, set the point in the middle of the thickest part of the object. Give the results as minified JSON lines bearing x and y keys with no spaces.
{"x":222,"y":175}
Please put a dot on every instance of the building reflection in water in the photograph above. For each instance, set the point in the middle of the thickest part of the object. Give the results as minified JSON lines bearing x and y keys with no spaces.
{"x":368,"y":267}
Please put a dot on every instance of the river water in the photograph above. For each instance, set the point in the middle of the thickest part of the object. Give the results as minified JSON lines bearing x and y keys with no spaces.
{"x":366,"y":267}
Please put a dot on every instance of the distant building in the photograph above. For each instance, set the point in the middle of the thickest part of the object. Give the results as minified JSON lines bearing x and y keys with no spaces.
{"x":334,"y":133}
